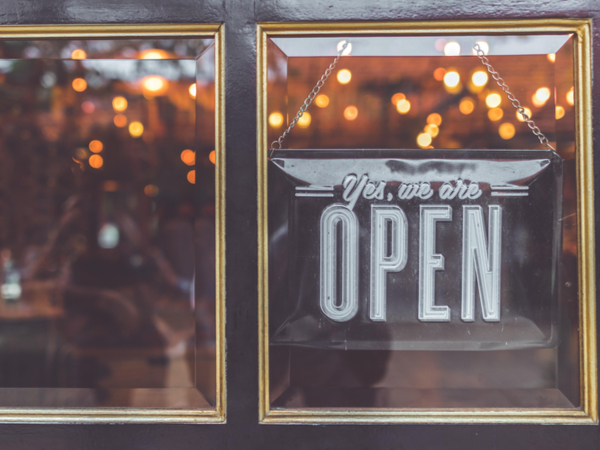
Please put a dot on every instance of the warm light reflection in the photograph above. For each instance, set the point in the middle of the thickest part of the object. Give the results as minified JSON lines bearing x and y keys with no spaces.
{"x":551,"y":57}
{"x":506,"y":131}
{"x":397,"y":97}
{"x":526,"y":111}
{"x":466,"y":106}
{"x":484,"y":46}
{"x":434,"y":119}
{"x":79,"y":84}
{"x":439,"y":73}
{"x":452,"y":48}
{"x":541,"y":96}
{"x":119,"y":104}
{"x":212,"y":157}
{"x":344,"y":76}
{"x":559,"y":112}
{"x":479,"y":78}
{"x":155,"y":84}
{"x":153,"y":53}
{"x":403,"y":106}
{"x":151,"y":190}
{"x":493,"y":100}
{"x":78,"y":54}
{"x":191,"y":176}
{"x":136,"y":129}
{"x":88,"y":107}
{"x":347,"y":50}
{"x":322,"y":101}
{"x":188,"y":157}
{"x":451,"y":79}
{"x":571,"y":96}
{"x":192,"y":90}
{"x":495,"y":114}
{"x":304,"y":120}
{"x":431,"y":130}
{"x":110,"y":186}
{"x":96,"y":161}
{"x":275,"y":119}
{"x":351,"y":112}
{"x":96,"y":146}
{"x":120,"y":120}
{"x":423,"y":140}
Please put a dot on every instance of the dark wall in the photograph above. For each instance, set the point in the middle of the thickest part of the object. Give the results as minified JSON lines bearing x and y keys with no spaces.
{"x":242,"y":430}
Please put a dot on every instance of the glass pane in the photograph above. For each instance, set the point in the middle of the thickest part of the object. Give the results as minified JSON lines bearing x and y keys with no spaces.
{"x":422,"y":241}
{"x":107,"y":224}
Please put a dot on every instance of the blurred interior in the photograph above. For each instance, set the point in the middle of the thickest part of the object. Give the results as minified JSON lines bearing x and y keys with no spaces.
{"x":431,"y":92}
{"x":107,"y":223}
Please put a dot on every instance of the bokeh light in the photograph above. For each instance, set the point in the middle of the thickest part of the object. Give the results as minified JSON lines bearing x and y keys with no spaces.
{"x":479,"y":78}
{"x":493,"y":100}
{"x":344,"y":76}
{"x":347,"y":50}
{"x":120,"y":120}
{"x":322,"y":101}
{"x":192,"y":90}
{"x":96,"y":146}
{"x":466,"y":106}
{"x":520,"y":117}
{"x":551,"y":57}
{"x":506,"y":131}
{"x":153,"y":53}
{"x":351,"y":112}
{"x":155,"y":85}
{"x":188,"y":157}
{"x":423,"y":140}
{"x":541,"y":96}
{"x":571,"y":96}
{"x":434,"y":119}
{"x":78,"y":54}
{"x":452,"y":48}
{"x":151,"y":190}
{"x":495,"y":114}
{"x":119,"y":104}
{"x":88,"y":107}
{"x":191,"y":176}
{"x":96,"y":161}
{"x":484,"y":46}
{"x":431,"y":130}
{"x":451,"y":79}
{"x":304,"y":120}
{"x":276,"y":119}
{"x":397,"y":97}
{"x":212,"y":157}
{"x":403,"y":106}
{"x":559,"y":112}
{"x":439,"y":73}
{"x":136,"y":129}
{"x":79,"y":84}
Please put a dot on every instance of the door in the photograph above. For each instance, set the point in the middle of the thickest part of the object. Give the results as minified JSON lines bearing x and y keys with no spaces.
{"x":245,"y":404}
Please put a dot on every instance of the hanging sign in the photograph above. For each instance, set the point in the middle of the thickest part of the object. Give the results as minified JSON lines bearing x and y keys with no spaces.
{"x":421,"y":250}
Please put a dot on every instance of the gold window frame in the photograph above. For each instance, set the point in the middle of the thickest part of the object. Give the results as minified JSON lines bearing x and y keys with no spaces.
{"x":588,"y":412}
{"x":154,"y":415}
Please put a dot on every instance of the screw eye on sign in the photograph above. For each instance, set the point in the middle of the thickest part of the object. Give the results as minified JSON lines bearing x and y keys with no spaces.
{"x":414,"y":250}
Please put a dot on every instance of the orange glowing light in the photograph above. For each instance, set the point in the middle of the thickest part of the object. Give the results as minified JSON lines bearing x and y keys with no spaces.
{"x":192,"y":90}
{"x":151,"y":190}
{"x":541,"y":96}
{"x":212,"y":157}
{"x":78,"y":54}
{"x":439,"y":73}
{"x":136,"y":129}
{"x":495,"y":114}
{"x":431,"y":130}
{"x":344,"y":76}
{"x":119,"y":104}
{"x":434,"y":119}
{"x":551,"y":57}
{"x":110,"y":186}
{"x":155,"y":85}
{"x":120,"y":120}
{"x":276,"y":119}
{"x":506,"y":131}
{"x":403,"y":106}
{"x":466,"y":106}
{"x":452,"y":48}
{"x":493,"y":100}
{"x":351,"y":112}
{"x":571,"y":96}
{"x":322,"y":101}
{"x":154,"y":53}
{"x":191,"y":176}
{"x":526,"y":111}
{"x":559,"y":112}
{"x":423,"y":140}
{"x":79,"y":84}
{"x":451,"y":79}
{"x":96,"y":146}
{"x":397,"y":97}
{"x":96,"y":161}
{"x":304,"y":120}
{"x":188,"y":157}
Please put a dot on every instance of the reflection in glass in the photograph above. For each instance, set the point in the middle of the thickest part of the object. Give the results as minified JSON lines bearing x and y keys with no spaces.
{"x":421,"y":96}
{"x":107,"y":246}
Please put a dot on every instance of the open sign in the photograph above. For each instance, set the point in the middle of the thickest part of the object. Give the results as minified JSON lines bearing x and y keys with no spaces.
{"x":415,"y":250}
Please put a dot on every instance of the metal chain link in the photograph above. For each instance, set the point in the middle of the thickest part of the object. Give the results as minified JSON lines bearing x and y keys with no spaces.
{"x":308,"y":100}
{"x":496,"y":76}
